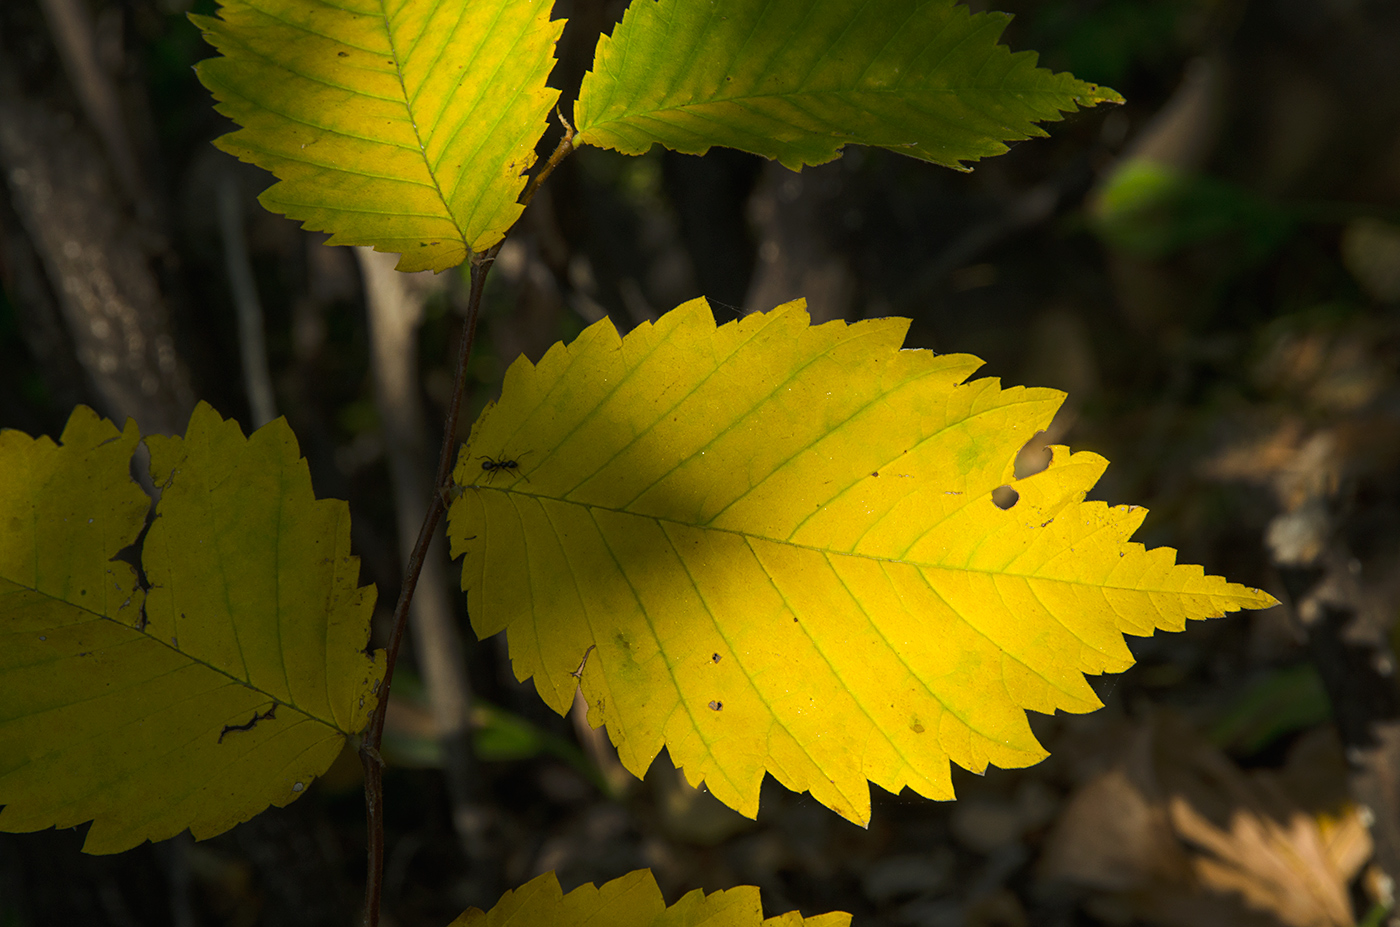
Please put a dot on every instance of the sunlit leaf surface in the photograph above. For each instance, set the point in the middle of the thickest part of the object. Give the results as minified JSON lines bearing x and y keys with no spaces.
{"x":404,"y":124}
{"x":632,"y":901}
{"x":773,"y":548}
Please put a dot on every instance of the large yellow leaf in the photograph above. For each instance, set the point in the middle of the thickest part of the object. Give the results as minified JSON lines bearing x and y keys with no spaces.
{"x":634,"y":900}
{"x":228,"y":688}
{"x":773,"y":548}
{"x":402,"y":124}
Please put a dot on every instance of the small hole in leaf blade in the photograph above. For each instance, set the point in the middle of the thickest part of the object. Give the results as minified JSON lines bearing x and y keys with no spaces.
{"x":1005,"y":497}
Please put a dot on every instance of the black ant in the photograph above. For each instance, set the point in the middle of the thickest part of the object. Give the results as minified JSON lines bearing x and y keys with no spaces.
{"x":493,"y":465}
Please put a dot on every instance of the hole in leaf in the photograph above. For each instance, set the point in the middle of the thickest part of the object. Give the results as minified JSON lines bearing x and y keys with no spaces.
{"x":1005,"y":497}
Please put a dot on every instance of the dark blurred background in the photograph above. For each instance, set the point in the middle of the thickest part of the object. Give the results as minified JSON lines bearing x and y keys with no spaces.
{"x":1211,"y":271}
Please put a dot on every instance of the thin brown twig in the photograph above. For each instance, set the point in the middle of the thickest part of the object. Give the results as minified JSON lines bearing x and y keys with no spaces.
{"x":374,"y":734}
{"x":561,"y":151}
{"x":369,"y":748}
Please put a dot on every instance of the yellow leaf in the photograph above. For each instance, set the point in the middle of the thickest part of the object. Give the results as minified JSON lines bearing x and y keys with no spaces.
{"x":632,"y":901}
{"x":407,"y":125}
{"x":229,"y":688}
{"x":772,"y":548}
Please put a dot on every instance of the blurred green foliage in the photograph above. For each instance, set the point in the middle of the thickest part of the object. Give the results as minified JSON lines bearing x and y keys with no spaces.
{"x":1154,"y":210}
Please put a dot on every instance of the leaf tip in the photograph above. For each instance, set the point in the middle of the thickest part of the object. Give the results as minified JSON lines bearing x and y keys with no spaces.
{"x":1097,"y":94}
{"x":1261,"y":598}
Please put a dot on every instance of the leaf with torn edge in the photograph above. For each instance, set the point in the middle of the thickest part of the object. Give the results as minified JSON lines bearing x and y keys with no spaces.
{"x":772,"y":547}
{"x":407,"y":125}
{"x":633,"y":900}
{"x":795,"y":81}
{"x":227,"y":686}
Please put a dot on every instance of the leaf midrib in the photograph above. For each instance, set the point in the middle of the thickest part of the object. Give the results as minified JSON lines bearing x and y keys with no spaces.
{"x":827,"y":552}
{"x":740,"y":99}
{"x":182,"y":652}
{"x":417,"y":135}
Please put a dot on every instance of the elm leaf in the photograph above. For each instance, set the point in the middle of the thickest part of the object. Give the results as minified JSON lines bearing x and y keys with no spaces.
{"x":772,"y":547}
{"x":407,"y":125}
{"x":795,"y":80}
{"x":226,"y":686}
{"x":634,"y":900}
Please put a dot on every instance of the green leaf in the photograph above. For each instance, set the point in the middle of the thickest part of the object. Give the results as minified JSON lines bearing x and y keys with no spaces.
{"x":632,"y":901}
{"x":773,"y":548}
{"x":796,"y":80}
{"x":1154,"y":210}
{"x":406,"y":125}
{"x":226,"y":687}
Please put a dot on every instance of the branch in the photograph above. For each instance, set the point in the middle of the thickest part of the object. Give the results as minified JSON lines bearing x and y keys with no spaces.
{"x":395,"y":306}
{"x":374,"y":735}
{"x":369,"y":747}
